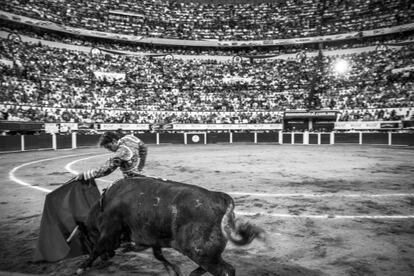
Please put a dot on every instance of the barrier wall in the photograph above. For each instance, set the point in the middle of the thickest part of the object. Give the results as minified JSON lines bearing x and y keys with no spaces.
{"x":268,"y":137}
{"x":287,"y":138}
{"x":195,"y":138}
{"x":314,"y":138}
{"x":346,"y":138}
{"x":173,"y":138}
{"x":87,"y":140}
{"x":298,"y":138}
{"x":375,"y":138}
{"x":148,"y":138}
{"x":243,"y":137}
{"x":220,"y":137}
{"x":10,"y":143}
{"x":63,"y":141}
{"x":325,"y":138}
{"x":402,"y":139}
{"x":46,"y":141}
{"x":32,"y":142}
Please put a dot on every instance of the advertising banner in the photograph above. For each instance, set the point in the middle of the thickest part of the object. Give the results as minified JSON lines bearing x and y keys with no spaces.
{"x":227,"y":126}
{"x":391,"y":125}
{"x":60,"y":127}
{"x":367,"y":125}
{"x":21,"y":126}
{"x":310,"y":114}
{"x":65,"y":127}
{"x":124,"y":126}
{"x":51,"y":128}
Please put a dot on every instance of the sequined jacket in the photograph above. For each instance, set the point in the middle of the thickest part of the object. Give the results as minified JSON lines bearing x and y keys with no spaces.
{"x":129,"y":157}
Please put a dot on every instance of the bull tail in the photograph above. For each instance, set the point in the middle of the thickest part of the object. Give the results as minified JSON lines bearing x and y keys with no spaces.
{"x":238,"y":232}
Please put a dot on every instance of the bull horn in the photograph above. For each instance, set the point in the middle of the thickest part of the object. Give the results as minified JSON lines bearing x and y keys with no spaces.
{"x":72,"y":234}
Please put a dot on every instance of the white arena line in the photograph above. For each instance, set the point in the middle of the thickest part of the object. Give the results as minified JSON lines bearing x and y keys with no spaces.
{"x":299,"y":195}
{"x":68,"y":166}
{"x":331,"y":216}
{"x":319,"y":195}
{"x":13,"y":178}
{"x":324,"y":216}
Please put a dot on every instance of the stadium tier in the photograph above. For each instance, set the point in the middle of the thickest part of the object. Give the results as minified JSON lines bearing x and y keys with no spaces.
{"x":36,"y":78}
{"x":42,"y":81}
{"x":217,"y":20}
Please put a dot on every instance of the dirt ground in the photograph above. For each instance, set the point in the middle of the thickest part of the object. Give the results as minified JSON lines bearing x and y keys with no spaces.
{"x":333,"y":181}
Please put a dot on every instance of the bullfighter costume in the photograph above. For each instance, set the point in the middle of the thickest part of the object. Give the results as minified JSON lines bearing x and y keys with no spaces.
{"x":129,"y":156}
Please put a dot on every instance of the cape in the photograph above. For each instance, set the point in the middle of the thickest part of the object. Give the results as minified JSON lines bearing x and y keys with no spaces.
{"x":63,"y":209}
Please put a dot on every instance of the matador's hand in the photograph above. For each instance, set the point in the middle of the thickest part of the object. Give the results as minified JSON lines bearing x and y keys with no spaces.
{"x":86,"y":175}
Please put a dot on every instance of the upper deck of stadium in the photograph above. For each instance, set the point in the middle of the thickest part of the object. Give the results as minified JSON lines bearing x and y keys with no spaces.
{"x":220,"y":20}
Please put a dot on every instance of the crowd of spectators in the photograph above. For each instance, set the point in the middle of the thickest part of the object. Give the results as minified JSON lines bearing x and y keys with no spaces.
{"x":377,"y":115}
{"x":60,"y":84}
{"x":53,"y":115}
{"x":197,"y":21}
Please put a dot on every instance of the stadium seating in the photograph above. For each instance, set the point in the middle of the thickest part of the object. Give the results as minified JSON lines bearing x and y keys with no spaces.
{"x":249,"y":21}
{"x":51,"y":84}
{"x":47,"y":35}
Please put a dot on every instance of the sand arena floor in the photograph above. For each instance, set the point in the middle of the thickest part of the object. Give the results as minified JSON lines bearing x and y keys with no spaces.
{"x":328,"y":210}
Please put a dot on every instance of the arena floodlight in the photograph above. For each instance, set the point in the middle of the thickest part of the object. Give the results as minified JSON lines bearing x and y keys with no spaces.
{"x":341,"y":66}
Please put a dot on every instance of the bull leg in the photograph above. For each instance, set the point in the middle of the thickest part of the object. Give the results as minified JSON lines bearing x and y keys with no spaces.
{"x":100,"y":250}
{"x":106,"y":246}
{"x":168,"y":266}
{"x":88,"y":263}
{"x":198,"y":271}
{"x":206,"y":250}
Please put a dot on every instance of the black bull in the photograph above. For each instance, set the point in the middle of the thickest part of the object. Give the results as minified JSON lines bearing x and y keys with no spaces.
{"x":156,"y":213}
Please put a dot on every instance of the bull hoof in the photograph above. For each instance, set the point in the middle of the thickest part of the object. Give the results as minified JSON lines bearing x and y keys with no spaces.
{"x":128,"y":247}
{"x":80,"y":271}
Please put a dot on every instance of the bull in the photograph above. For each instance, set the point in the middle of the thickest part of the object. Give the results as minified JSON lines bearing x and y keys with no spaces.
{"x":156,"y":213}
